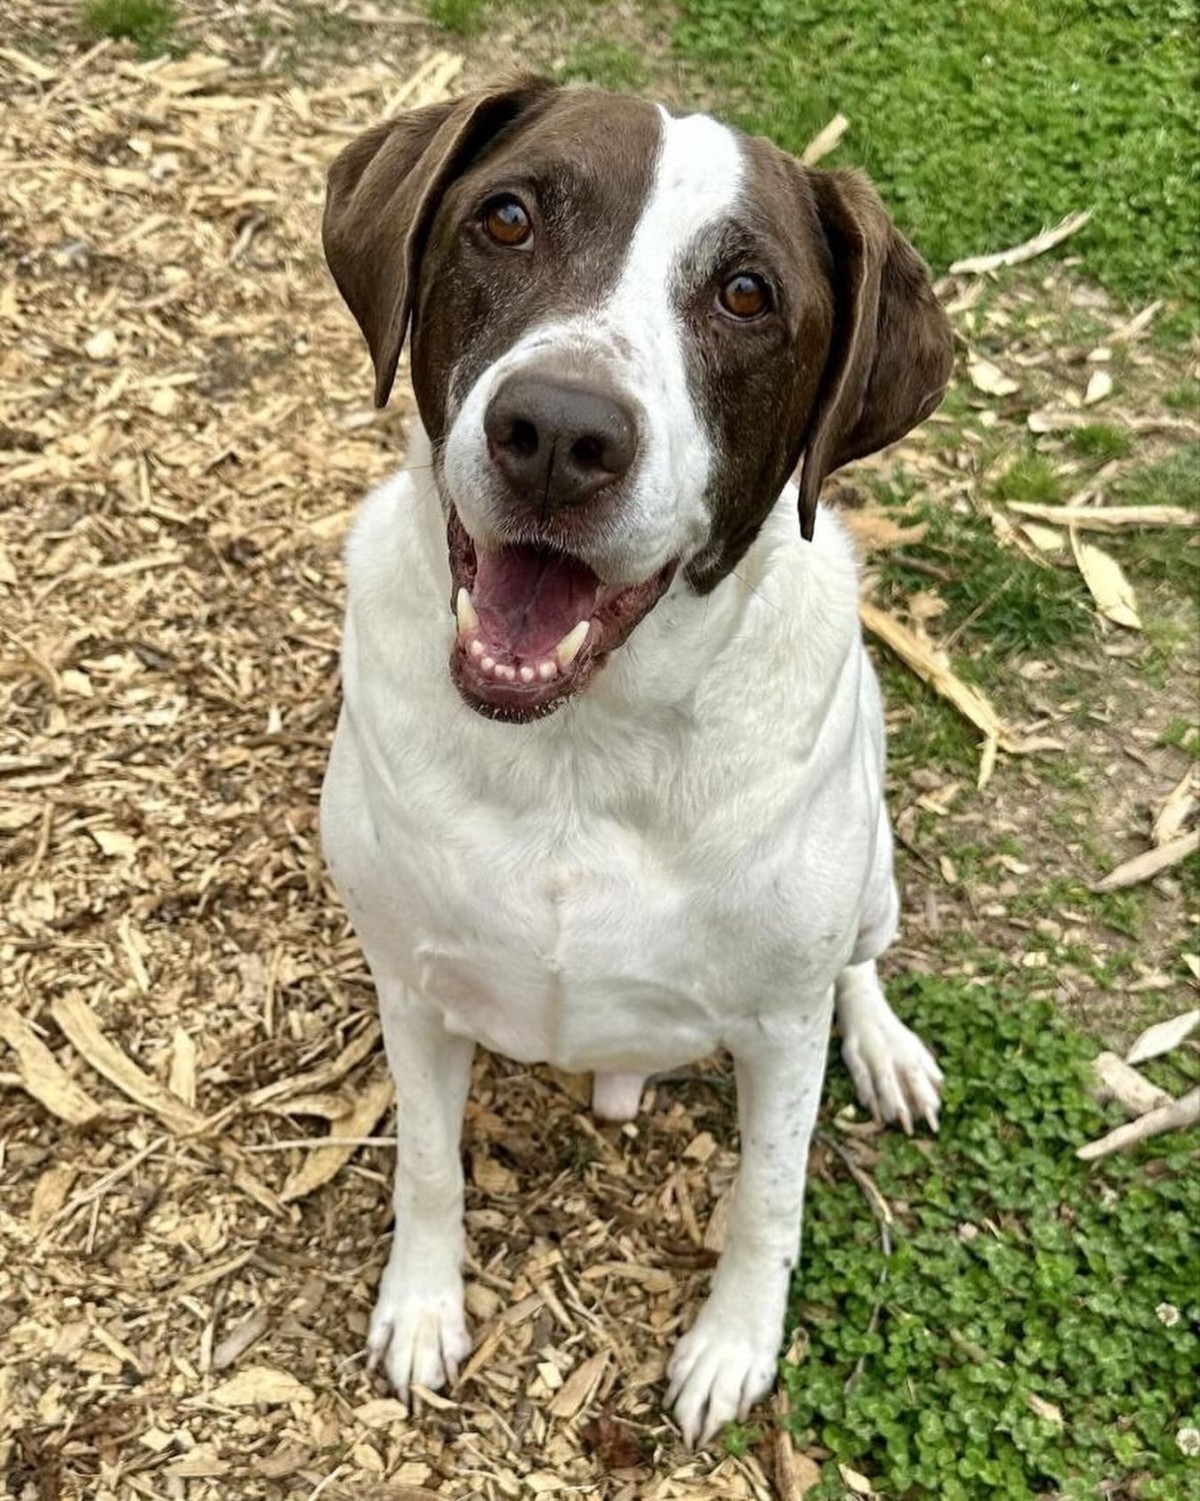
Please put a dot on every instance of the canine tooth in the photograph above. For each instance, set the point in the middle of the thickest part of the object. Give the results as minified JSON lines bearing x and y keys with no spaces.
{"x":464,"y":611}
{"x":547,"y":670}
{"x":476,"y":648}
{"x":487,"y":663}
{"x":568,"y":648}
{"x":527,"y":674}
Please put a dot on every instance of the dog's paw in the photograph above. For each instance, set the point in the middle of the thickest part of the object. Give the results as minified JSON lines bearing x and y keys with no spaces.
{"x":719,"y":1369}
{"x":894,"y":1073}
{"x":418,"y":1331}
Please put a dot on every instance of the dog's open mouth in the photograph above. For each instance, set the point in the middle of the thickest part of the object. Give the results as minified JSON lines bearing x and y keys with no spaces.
{"x":534,"y":624}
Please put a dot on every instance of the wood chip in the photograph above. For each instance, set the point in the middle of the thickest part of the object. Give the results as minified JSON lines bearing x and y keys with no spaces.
{"x":1136,"y":327}
{"x":857,"y":1482}
{"x":42,"y":1074}
{"x":182,"y":1080}
{"x":372,"y":1100}
{"x":260,"y":1383}
{"x":1100,"y":385}
{"x":1178,"y":808}
{"x":1162,"y":1037}
{"x":79,"y":1025}
{"x":874,"y":530}
{"x":1107,"y":583}
{"x":1045,"y":1410}
{"x":989,"y":378}
{"x":230,"y":1349}
{"x":576,"y":1391}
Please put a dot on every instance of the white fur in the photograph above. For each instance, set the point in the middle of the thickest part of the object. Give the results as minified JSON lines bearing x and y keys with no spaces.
{"x":697,"y":180}
{"x":685,"y":857}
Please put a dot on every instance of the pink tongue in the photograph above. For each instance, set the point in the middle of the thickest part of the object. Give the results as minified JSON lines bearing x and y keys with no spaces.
{"x":528,"y":598}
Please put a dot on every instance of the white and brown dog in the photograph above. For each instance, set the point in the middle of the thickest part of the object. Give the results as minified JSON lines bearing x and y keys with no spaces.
{"x":607,"y":787}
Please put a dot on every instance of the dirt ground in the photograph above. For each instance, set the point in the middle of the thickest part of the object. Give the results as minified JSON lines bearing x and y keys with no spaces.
{"x":185,"y":429}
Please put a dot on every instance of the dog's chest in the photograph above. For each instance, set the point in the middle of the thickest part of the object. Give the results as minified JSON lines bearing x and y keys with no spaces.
{"x":580,"y":954}
{"x":575,"y":936}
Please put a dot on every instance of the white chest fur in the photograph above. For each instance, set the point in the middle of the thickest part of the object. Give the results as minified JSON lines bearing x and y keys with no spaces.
{"x":697,"y":841}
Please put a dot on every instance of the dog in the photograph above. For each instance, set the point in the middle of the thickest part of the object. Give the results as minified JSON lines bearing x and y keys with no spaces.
{"x":606,"y":790}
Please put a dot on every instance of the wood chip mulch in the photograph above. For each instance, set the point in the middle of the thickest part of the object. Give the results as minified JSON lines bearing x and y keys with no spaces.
{"x":185,"y":428}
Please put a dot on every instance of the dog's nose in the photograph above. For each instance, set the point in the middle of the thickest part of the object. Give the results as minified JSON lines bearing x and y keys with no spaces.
{"x":556,"y":441}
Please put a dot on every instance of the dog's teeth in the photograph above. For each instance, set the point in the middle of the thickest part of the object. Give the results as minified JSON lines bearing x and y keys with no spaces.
{"x":547,"y":671}
{"x":527,"y":674}
{"x":487,"y":663}
{"x":464,"y":611}
{"x":509,"y":674}
{"x":568,"y":648}
{"x":476,"y":648}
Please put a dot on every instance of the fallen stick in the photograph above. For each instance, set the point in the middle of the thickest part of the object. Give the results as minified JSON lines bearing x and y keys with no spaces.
{"x":1180,"y":1113}
{"x":1118,"y":1080}
{"x":1177,"y":808}
{"x":825,"y":140}
{"x":978,"y":265}
{"x":932,"y":667}
{"x":1106,"y":518}
{"x":1146,"y":866}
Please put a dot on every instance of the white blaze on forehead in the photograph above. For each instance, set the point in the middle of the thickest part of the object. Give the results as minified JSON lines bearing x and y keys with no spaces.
{"x":697,"y":179}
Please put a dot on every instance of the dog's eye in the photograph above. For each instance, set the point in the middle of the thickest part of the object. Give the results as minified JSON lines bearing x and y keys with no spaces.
{"x":506,"y":221}
{"x":745,"y":296}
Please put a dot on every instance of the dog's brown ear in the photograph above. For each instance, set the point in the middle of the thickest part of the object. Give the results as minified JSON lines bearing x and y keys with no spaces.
{"x":892,"y":349}
{"x":382,"y":192}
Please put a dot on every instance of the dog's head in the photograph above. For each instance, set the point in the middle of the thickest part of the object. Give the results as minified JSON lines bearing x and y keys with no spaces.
{"x":627,"y":329}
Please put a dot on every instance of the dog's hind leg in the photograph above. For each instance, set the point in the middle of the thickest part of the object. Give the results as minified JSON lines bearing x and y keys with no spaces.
{"x":617,"y":1097}
{"x":418,"y":1330}
{"x":894,"y":1073}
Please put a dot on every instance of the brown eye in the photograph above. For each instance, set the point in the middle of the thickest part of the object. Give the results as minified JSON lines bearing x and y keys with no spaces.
{"x":745,"y":296}
{"x":506,"y":222}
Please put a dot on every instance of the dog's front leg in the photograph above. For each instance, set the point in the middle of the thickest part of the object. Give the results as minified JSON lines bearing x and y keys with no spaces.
{"x":417,"y":1329}
{"x":727,"y":1360}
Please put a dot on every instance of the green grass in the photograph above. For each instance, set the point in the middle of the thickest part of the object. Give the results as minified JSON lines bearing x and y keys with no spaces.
{"x":462,"y":17}
{"x":983,"y":123}
{"x":1101,"y":443}
{"x":1018,"y":1276}
{"x":1031,"y":478}
{"x":148,"y":23}
{"x":1170,"y":556}
{"x":1183,"y":734}
{"x":612,"y":65}
{"x":998,"y":602}
{"x":1184,"y":397}
{"x":924,"y":730}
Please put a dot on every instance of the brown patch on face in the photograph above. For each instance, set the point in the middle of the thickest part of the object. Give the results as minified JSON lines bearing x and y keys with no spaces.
{"x":757,"y":381}
{"x":582,"y":169}
{"x":854,"y":352}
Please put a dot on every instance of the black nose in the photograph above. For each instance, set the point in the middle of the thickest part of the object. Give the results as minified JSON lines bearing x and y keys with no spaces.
{"x":556,"y":441}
